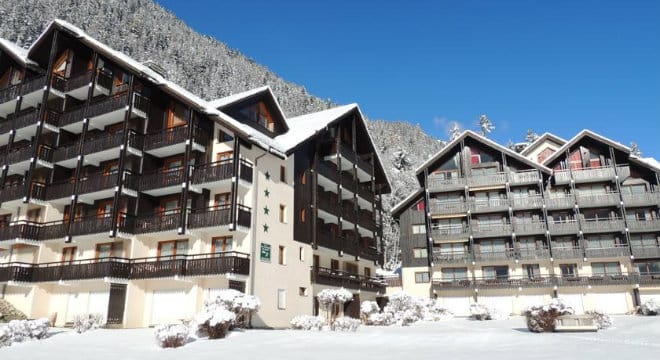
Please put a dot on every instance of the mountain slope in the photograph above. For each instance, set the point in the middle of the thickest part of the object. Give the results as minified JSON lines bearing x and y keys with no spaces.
{"x":145,"y":31}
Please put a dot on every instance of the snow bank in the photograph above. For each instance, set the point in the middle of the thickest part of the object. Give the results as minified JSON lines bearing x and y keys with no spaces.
{"x":541,"y":318}
{"x":601,"y":318}
{"x":403,"y":309}
{"x":23,"y":330}
{"x":346,"y":324}
{"x":307,"y":322}
{"x":649,"y":308}
{"x":171,"y":336}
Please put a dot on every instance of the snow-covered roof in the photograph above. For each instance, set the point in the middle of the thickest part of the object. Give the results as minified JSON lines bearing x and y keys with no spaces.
{"x":485,"y":140}
{"x":540,"y":140}
{"x":18,"y":53}
{"x":406,"y":202}
{"x":234,"y":98}
{"x":651,"y":162}
{"x":305,"y":126}
{"x":582,"y":134}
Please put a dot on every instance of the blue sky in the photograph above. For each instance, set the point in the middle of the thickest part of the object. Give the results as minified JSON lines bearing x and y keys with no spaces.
{"x":557,"y":66}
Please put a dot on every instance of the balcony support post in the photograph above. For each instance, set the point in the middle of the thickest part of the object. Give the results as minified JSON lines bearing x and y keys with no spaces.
{"x":314,"y":215}
{"x":339,"y":185}
{"x":233,"y":215}
{"x":12,"y":135}
{"x":122,"y":156}
{"x":427,"y":221}
{"x":356,"y":185}
{"x":40,"y":116}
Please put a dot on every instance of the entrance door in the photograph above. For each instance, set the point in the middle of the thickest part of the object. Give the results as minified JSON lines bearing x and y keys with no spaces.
{"x":116,"y":304}
{"x":352,"y":308}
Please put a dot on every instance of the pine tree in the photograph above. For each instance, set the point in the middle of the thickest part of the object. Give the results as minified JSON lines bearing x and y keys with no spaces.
{"x":486,"y":126}
{"x":454,"y":131}
{"x":531,"y":136}
{"x":634,"y":150}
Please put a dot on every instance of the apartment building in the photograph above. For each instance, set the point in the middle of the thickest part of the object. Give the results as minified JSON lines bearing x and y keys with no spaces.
{"x":574,"y":219}
{"x":123,"y":194}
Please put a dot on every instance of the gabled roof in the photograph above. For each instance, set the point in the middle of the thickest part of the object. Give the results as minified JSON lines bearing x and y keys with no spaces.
{"x":540,"y":140}
{"x":227,"y":101}
{"x":605,"y":140}
{"x":403,"y":204}
{"x":485,"y":140}
{"x":19,"y":54}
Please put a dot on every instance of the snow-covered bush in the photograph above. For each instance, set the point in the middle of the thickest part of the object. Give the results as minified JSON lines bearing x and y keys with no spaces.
{"x":5,"y":336}
{"x":243,"y":306}
{"x":329,"y":298}
{"x":24,"y":330}
{"x":83,"y":323}
{"x":380,"y":319}
{"x":346,"y":324}
{"x":215,"y":321}
{"x":480,"y":312}
{"x":307,"y":322}
{"x":171,"y":336}
{"x":541,"y":318}
{"x":436,"y":311}
{"x":368,"y":308}
{"x":601,"y":318}
{"x":405,"y":309}
{"x":650,"y":308}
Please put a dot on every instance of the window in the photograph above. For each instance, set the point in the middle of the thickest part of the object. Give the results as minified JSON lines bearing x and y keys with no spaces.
{"x":172,"y":248}
{"x":419,"y":229}
{"x":281,"y":299}
{"x":454,"y":274}
{"x":367,"y":272}
{"x":105,"y":209}
{"x":222,"y":200}
{"x":449,"y":226}
{"x":69,"y":254}
{"x":568,"y":270}
{"x":224,"y":156}
{"x":282,"y":213}
{"x":281,"y":258}
{"x":302,"y":291}
{"x":223,"y":136}
{"x":334,"y":264}
{"x":104,"y":250}
{"x":351,"y":268}
{"x":419,"y":206}
{"x":170,"y":205}
{"x":492,"y":246}
{"x":301,"y":253}
{"x":496,"y":272}
{"x":601,"y":242}
{"x":303,"y":178}
{"x":452,"y":249}
{"x":420,"y":253}
{"x":422,"y":277}
{"x":634,"y":189}
{"x":532,"y":271}
{"x":527,"y":244}
{"x":606,"y":268}
{"x":544,"y":155}
{"x":639,"y":214}
{"x":302,"y":215}
{"x":649,"y":267}
{"x":282,"y":173}
{"x":222,"y":244}
{"x":643,"y":240}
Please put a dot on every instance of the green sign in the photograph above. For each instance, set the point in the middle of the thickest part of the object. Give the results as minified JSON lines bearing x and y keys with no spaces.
{"x":265,"y":252}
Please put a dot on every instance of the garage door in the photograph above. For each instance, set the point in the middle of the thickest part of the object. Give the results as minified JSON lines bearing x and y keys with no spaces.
{"x":525,"y":301}
{"x":75,"y":305}
{"x":98,"y":303}
{"x":459,"y":306}
{"x":611,"y":303}
{"x":212,"y":293}
{"x":574,"y":301}
{"x":169,"y":307}
{"x":502,"y":304}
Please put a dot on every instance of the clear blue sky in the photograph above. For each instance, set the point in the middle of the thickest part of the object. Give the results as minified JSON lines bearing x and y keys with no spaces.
{"x":557,"y":66}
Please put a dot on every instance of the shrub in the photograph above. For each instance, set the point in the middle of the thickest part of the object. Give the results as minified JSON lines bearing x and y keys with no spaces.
{"x":171,"y":336}
{"x":436,"y":311}
{"x":380,"y":319}
{"x":346,"y":324}
{"x":649,"y":308}
{"x":405,"y":309}
{"x":601,"y":318}
{"x":480,"y":312}
{"x":83,"y":323}
{"x":307,"y":322}
{"x":329,"y":298}
{"x":542,"y":318}
{"x":5,"y":336}
{"x":215,"y":321}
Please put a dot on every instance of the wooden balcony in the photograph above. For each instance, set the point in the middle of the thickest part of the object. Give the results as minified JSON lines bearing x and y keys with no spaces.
{"x":559,"y":201}
{"x":489,"y":205}
{"x":437,"y":184}
{"x":15,"y":272}
{"x":97,"y":182}
{"x":507,"y":254}
{"x":585,"y":175}
{"x":327,"y":239}
{"x":366,"y":220}
{"x":97,"y":224}
{"x":20,"y":230}
{"x":563,"y":228}
{"x":99,"y":107}
{"x":168,"y":142}
{"x":25,"y":118}
{"x":112,"y":267}
{"x":491,"y":230}
{"x":616,"y":250}
{"x":338,"y":278}
{"x":33,"y":85}
{"x":642,"y":252}
{"x":327,"y":202}
{"x":157,"y":183}
{"x":448,"y":207}
{"x":487,"y":180}
{"x":451,"y":257}
{"x":441,"y":234}
{"x":562,"y":252}
{"x":527,"y":202}
{"x":527,"y":177}
{"x":158,"y":222}
{"x":12,"y":192}
{"x":19,"y":155}
{"x":595,"y":280}
{"x":190,"y":265}
{"x":60,"y":190}
{"x":601,"y":225}
{"x":641,"y":199}
{"x":219,"y":216}
{"x":650,"y":225}
{"x":533,"y":254}
{"x":522,"y":228}
{"x":9,"y":93}
{"x":597,"y":200}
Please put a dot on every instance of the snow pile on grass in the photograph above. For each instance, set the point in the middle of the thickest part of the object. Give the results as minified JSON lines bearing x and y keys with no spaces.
{"x":601,"y":318}
{"x":172,"y":336}
{"x":346,"y":324}
{"x":541,"y":318}
{"x":23,"y":330}
{"x":649,"y":308}
{"x":307,"y":322}
{"x":83,"y":323}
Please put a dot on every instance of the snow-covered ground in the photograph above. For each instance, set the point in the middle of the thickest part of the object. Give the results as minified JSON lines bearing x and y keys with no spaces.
{"x":631,"y":337}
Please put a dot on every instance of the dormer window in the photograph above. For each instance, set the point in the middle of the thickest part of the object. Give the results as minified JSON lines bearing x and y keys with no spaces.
{"x":260,"y":115}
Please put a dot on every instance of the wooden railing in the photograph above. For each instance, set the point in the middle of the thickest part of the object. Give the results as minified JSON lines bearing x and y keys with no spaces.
{"x":157,"y":222}
{"x":560,"y":252}
{"x":602,"y":225}
{"x":17,"y":272}
{"x":99,"y":224}
{"x":97,"y":182}
{"x":545,"y":281}
{"x":215,"y":171}
{"x":325,"y":276}
{"x":12,"y":192}
{"x":614,"y":250}
{"x":25,"y":118}
{"x":162,"y":178}
{"x":32,"y":85}
{"x":111,"y":267}
{"x":505,"y":254}
{"x":9,"y":93}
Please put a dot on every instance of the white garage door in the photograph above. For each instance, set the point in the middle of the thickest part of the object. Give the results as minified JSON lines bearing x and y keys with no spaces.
{"x":646,"y":297}
{"x":98,"y":303}
{"x":75,"y":305}
{"x":459,"y":306}
{"x":502,"y":304}
{"x":169,"y":307}
{"x":525,"y":301}
{"x":212,"y":293}
{"x":574,"y":301}
{"x":611,"y":303}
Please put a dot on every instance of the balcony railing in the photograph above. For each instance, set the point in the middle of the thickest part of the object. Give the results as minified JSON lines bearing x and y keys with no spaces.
{"x":354,"y":158}
{"x":174,"y":136}
{"x":601,"y":225}
{"x":25,"y":118}
{"x":157,"y":222}
{"x":595,"y":280}
{"x":19,"y":155}
{"x":485,"y":255}
{"x":644,"y":225}
{"x":448,"y":207}
{"x":219,"y":215}
{"x":100,"y":107}
{"x":439,"y":234}
{"x":533,"y":254}
{"x":641,"y":199}
{"x":366,"y":220}
{"x":17,"y":272}
{"x":215,"y":171}
{"x":527,"y":202}
{"x":325,"y":276}
{"x":103,"y":142}
{"x":451,"y":257}
{"x":190,"y":265}
{"x":524,"y":177}
{"x":597,"y":200}
{"x":559,"y":201}
{"x":559,"y":251}
{"x":99,"y":224}
{"x":585,"y":175}
{"x":489,"y":205}
{"x":12,"y":192}
{"x":60,"y":189}
{"x":499,"y":229}
{"x":9,"y":93}
{"x":563,"y":227}
{"x":32,"y":85}
{"x":437,"y":184}
{"x":74,"y":82}
{"x":542,"y":281}
{"x":646,"y":251}
{"x":487,"y":180}
{"x":110,"y":267}
{"x":528,"y":228}
{"x":97,"y":182}
{"x":19,"y":230}
{"x":614,"y":250}
{"x":327,"y":202}
{"x":162,"y":179}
